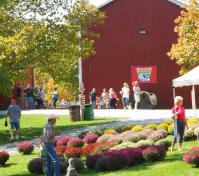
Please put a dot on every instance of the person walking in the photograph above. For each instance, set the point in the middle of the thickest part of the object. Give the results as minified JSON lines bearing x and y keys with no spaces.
{"x":28,"y":93}
{"x":136,"y":90}
{"x":48,"y":141}
{"x":180,"y":122}
{"x":105,"y":98}
{"x":14,"y":113}
{"x":113,"y":97}
{"x":55,"y":97}
{"x":125,"y":95}
{"x":18,"y":95}
{"x":93,"y":97}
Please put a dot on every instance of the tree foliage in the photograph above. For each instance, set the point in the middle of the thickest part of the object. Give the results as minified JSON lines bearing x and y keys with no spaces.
{"x":186,"y":51}
{"x":43,"y":34}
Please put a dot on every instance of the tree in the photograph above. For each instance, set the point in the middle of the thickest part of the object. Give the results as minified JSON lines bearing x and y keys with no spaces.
{"x":40,"y":35}
{"x":186,"y":51}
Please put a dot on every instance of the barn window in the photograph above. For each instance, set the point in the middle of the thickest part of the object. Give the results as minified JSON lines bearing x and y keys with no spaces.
{"x":142,"y":31}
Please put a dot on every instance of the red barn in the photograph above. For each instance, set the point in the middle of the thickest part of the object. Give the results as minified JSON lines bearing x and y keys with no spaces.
{"x":136,"y":33}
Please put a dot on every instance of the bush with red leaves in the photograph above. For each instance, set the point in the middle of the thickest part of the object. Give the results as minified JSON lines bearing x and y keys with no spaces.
{"x":25,"y":147}
{"x":116,"y":160}
{"x":192,"y":156}
{"x":134,"y":155}
{"x":71,"y":152}
{"x":75,"y":142}
{"x":4,"y":156}
{"x":92,"y":159}
{"x":90,"y":138}
{"x":62,"y":141}
{"x":154,"y":153}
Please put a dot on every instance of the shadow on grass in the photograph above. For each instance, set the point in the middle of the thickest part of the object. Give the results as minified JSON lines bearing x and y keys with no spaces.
{"x":35,"y":132}
{"x":25,"y":174}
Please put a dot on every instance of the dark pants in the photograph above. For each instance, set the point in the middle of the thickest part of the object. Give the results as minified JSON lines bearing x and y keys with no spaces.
{"x":54,"y":103}
{"x":179,"y":131}
{"x":51,"y":157}
{"x":113,"y":103}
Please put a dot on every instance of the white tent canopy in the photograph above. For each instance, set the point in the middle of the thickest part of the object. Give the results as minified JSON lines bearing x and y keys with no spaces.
{"x":189,"y":79}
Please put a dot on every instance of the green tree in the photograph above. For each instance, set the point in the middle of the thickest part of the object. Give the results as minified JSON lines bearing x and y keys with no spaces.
{"x":39,"y":35}
{"x":186,"y":51}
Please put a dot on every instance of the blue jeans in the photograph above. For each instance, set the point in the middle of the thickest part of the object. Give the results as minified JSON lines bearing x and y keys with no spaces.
{"x":51,"y":157}
{"x":30,"y":104}
{"x":93,"y":102}
{"x":125,"y":101}
{"x":179,"y":131}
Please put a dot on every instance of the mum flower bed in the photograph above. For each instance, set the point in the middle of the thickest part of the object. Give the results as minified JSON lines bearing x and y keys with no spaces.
{"x":192,"y":156}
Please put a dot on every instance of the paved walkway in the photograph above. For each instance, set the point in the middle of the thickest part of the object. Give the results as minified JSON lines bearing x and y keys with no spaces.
{"x":134,"y":117}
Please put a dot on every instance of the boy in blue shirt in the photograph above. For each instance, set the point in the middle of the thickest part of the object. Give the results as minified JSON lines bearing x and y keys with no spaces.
{"x":14,"y":113}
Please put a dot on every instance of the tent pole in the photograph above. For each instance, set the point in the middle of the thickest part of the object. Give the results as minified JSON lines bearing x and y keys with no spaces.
{"x":193,"y":97}
{"x":174,"y":95}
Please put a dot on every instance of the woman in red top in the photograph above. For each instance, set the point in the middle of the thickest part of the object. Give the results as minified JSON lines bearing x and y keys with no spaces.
{"x":179,"y":122}
{"x":112,"y":97}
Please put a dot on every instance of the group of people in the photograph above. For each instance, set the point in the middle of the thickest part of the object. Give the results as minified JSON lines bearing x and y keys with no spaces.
{"x":34,"y":96}
{"x":109,"y":99}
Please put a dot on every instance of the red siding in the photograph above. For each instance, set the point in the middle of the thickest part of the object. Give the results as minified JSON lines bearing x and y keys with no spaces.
{"x":121,"y":46}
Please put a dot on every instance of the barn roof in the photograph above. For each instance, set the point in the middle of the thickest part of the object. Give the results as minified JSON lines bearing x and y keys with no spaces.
{"x":181,"y":3}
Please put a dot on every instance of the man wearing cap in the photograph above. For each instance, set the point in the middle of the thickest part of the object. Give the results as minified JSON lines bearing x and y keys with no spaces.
{"x":14,"y":113}
{"x":48,"y":141}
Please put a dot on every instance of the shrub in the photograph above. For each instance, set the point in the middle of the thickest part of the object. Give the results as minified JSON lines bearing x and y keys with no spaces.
{"x":131,"y":138}
{"x":171,"y":129}
{"x":137,"y":128}
{"x":101,"y":164}
{"x":92,"y":159}
{"x":168,"y":122}
{"x":167,"y":143}
{"x":126,"y":128}
{"x":103,"y":147}
{"x":144,"y":143}
{"x":62,"y":141}
{"x":4,"y":156}
{"x":148,"y":131}
{"x":124,"y":146}
{"x":78,"y":164}
{"x":110,"y":131}
{"x":116,"y":160}
{"x":63,"y":165}
{"x":142,"y":135}
{"x":192,"y":156}
{"x":36,"y":166}
{"x":75,"y":142}
{"x":126,"y":133}
{"x":71,"y":152}
{"x":189,"y":134}
{"x":155,"y":136}
{"x":152,"y":126}
{"x":90,"y":138}
{"x":151,"y":154}
{"x":163,"y":132}
{"x":196,"y":131}
{"x":25,"y":147}
{"x":134,"y":155}
{"x":104,"y":138}
{"x":115,"y":139}
{"x":91,"y":149}
{"x":163,"y":126}
{"x":192,"y":121}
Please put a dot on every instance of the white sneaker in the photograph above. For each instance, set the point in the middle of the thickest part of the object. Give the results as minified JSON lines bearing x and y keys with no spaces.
{"x":17,"y":137}
{"x":11,"y":138}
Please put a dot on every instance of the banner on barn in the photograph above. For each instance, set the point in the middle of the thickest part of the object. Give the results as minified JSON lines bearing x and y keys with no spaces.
{"x":144,"y":74}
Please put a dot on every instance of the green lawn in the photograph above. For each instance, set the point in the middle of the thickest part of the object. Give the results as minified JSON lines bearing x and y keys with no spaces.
{"x":32,"y":125}
{"x":172,"y":165}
